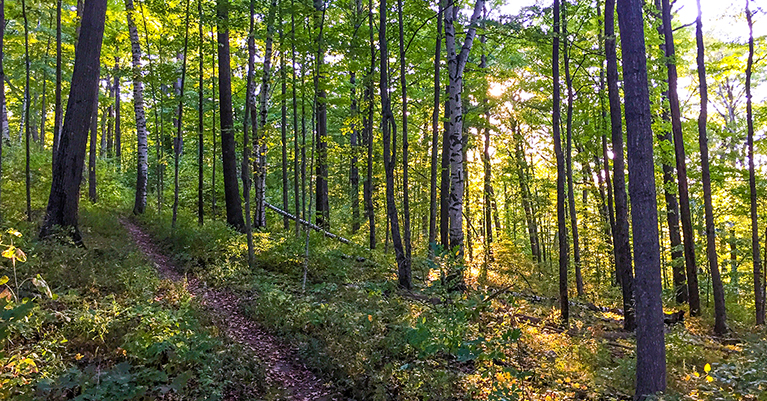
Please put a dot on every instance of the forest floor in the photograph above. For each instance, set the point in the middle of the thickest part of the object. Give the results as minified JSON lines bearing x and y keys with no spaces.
{"x":285,"y":370}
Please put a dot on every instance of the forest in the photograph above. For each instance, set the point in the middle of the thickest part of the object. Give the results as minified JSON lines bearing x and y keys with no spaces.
{"x":362,"y":200}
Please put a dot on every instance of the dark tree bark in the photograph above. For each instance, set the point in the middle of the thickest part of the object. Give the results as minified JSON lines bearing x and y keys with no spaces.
{"x":200,"y":121}
{"x":92,"y":151}
{"x":231,"y":188}
{"x":569,"y":158}
{"x":296,"y":155}
{"x":564,"y":248}
{"x":142,"y":149}
{"x":622,"y":248}
{"x":322,"y":206}
{"x":284,"y":126}
{"x":405,"y":270}
{"x":389,"y":130}
{"x":213,"y":126}
{"x":720,"y":312}
{"x":435,"y":135}
{"x":681,"y":164}
{"x":368,"y":128}
{"x":444,"y":183}
{"x":651,"y":351}
{"x":758,"y":280}
{"x":178,"y":143}
{"x":118,"y":132}
{"x":65,"y":185}
{"x":57,"y":106}
{"x":354,"y":171}
{"x":27,"y":90}
{"x":524,"y":187}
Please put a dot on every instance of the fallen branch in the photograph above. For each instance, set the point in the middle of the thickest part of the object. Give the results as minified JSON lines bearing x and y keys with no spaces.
{"x":310,"y":225}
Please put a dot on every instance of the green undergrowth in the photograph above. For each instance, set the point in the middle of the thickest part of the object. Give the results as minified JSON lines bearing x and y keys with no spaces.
{"x":111,"y":329}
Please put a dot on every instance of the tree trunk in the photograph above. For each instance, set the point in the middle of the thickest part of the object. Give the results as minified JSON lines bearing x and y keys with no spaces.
{"x":569,"y":158}
{"x":93,"y":147}
{"x":118,"y":132}
{"x":368,"y":128}
{"x":213,"y":126}
{"x":435,"y":135}
{"x":246,"y":172}
{"x":284,"y":127}
{"x":296,"y":155}
{"x":200,"y":122}
{"x":651,"y":351}
{"x":178,"y":143}
{"x":231,"y":189}
{"x":65,"y":185}
{"x":405,"y":273}
{"x":444,"y":183}
{"x":57,"y":106}
{"x":758,"y":281}
{"x":139,"y":204}
{"x":622,"y":248}
{"x":564,"y":248}
{"x":387,"y":126}
{"x":322,"y":208}
{"x":27,"y":90}
{"x":720,"y":313}
{"x":681,"y":164}
{"x":526,"y":196}
{"x":456,"y":62}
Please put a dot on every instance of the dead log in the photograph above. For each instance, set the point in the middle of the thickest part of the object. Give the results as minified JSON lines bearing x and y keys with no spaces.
{"x":310,"y":225}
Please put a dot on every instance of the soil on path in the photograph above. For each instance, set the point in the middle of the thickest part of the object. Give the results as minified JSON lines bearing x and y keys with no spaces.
{"x":285,"y":369}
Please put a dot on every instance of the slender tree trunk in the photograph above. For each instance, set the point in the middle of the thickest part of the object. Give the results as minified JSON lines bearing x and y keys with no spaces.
{"x":564,"y":248}
{"x":526,"y":196}
{"x":322,"y":207}
{"x":284,"y":126}
{"x":569,"y":157}
{"x":200,"y":121}
{"x":43,"y":103}
{"x":720,"y":313}
{"x":246,"y":169}
{"x":231,"y":190}
{"x":57,"y":108}
{"x":488,"y":195}
{"x":368,"y":128}
{"x":214,"y":124}
{"x":389,"y":130}
{"x":142,"y":167}
{"x":651,"y":351}
{"x":27,"y":90}
{"x":621,"y":234}
{"x":178,"y":143}
{"x":405,"y":271}
{"x":444,"y":183}
{"x":118,"y":131}
{"x":758,"y":280}
{"x":435,"y":134}
{"x":681,"y":164}
{"x":92,"y":151}
{"x":65,"y":185}
{"x":296,"y":155}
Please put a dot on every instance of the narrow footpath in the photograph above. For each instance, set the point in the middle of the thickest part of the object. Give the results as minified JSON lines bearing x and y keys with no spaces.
{"x":285,"y":369}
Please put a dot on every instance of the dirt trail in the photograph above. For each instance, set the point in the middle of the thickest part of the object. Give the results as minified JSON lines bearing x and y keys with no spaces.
{"x":285,"y":368}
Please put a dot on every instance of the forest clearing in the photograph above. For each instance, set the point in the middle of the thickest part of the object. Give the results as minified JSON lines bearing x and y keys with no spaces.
{"x":359,"y":200}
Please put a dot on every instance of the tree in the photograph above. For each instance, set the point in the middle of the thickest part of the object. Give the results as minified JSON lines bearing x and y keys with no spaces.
{"x":456,"y":63}
{"x":57,"y":107}
{"x":177,"y":143}
{"x":389,"y":132}
{"x":758,"y":280}
{"x":65,"y":185}
{"x":720,"y":313}
{"x":231,"y":189}
{"x":27,"y":89}
{"x":681,"y":164}
{"x":564,"y":248}
{"x":246,"y":171}
{"x":322,"y":206}
{"x":405,"y":182}
{"x":622,"y":247}
{"x":651,"y":351}
{"x":200,"y":119}
{"x":139,"y":204}
{"x":367,"y":123}
{"x":435,"y":133}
